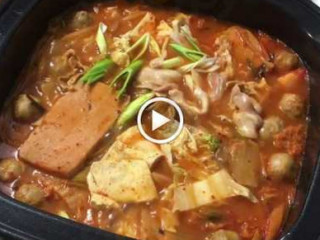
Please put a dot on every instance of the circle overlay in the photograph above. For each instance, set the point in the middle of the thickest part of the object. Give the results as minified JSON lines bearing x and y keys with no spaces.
{"x":176,"y":107}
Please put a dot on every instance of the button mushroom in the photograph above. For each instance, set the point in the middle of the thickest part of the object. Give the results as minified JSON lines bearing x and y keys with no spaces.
{"x":30,"y":194}
{"x":270,"y":127}
{"x":281,"y":166}
{"x":291,"y":105}
{"x":81,"y":19}
{"x":285,"y":61}
{"x":26,"y":108}
{"x":10,"y":169}
{"x":59,"y":66}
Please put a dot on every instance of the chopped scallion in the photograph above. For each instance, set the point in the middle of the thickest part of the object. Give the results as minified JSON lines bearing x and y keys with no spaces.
{"x":100,"y":39}
{"x":187,"y":34}
{"x":190,"y":54}
{"x":97,"y":71}
{"x":127,"y":74}
{"x":172,"y":62}
{"x":132,"y":109}
{"x":143,"y":43}
{"x":154,"y":47}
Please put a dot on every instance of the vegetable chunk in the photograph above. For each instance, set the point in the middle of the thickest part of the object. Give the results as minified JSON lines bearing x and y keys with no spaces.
{"x":245,"y":163}
{"x":70,"y":130}
{"x":216,"y":187}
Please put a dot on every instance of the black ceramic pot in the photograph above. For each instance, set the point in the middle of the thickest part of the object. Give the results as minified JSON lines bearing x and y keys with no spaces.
{"x":296,"y":22}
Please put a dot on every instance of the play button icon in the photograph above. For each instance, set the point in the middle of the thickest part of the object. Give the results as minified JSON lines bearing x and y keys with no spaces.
{"x":159,"y":120}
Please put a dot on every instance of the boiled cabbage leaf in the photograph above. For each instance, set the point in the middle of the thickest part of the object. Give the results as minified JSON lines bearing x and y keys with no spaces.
{"x":218,"y":186}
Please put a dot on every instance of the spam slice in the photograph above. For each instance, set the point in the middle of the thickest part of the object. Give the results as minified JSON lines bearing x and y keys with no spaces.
{"x":71,"y":129}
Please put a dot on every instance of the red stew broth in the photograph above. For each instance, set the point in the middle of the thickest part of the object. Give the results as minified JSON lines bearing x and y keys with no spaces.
{"x":236,"y":214}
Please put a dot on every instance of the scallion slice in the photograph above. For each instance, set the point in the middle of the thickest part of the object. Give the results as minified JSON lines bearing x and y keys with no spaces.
{"x":172,"y":62}
{"x":143,"y":43}
{"x":190,"y":54}
{"x":97,"y":71}
{"x":100,"y":39}
{"x":127,"y":74}
{"x":132,"y":109}
{"x":187,"y":34}
{"x":154,"y":46}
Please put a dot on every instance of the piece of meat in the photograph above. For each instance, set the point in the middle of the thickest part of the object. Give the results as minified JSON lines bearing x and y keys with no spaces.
{"x":246,"y":49}
{"x":217,"y":86}
{"x":159,"y":80}
{"x":247,"y":123}
{"x":243,"y":102}
{"x":247,"y":117}
{"x":291,"y":139}
{"x":70,"y":130}
{"x":191,"y":108}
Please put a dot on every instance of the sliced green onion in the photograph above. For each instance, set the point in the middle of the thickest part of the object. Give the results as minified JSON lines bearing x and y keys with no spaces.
{"x":205,"y":65}
{"x":142,"y":42}
{"x":166,"y":64}
{"x":127,"y":74}
{"x":193,"y":42}
{"x":148,"y":18}
{"x":132,"y":109}
{"x":100,"y":39}
{"x":97,"y":71}
{"x":172,"y":62}
{"x":189,"y":67}
{"x":190,"y":54}
{"x":154,"y":47}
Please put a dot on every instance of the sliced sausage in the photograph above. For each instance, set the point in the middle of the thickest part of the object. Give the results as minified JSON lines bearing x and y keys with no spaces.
{"x":70,"y":130}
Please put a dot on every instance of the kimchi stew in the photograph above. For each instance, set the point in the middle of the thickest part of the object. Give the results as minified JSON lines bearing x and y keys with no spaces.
{"x":70,"y":144}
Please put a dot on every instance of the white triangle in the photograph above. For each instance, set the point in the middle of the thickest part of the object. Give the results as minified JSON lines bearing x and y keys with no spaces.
{"x":158,"y":120}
